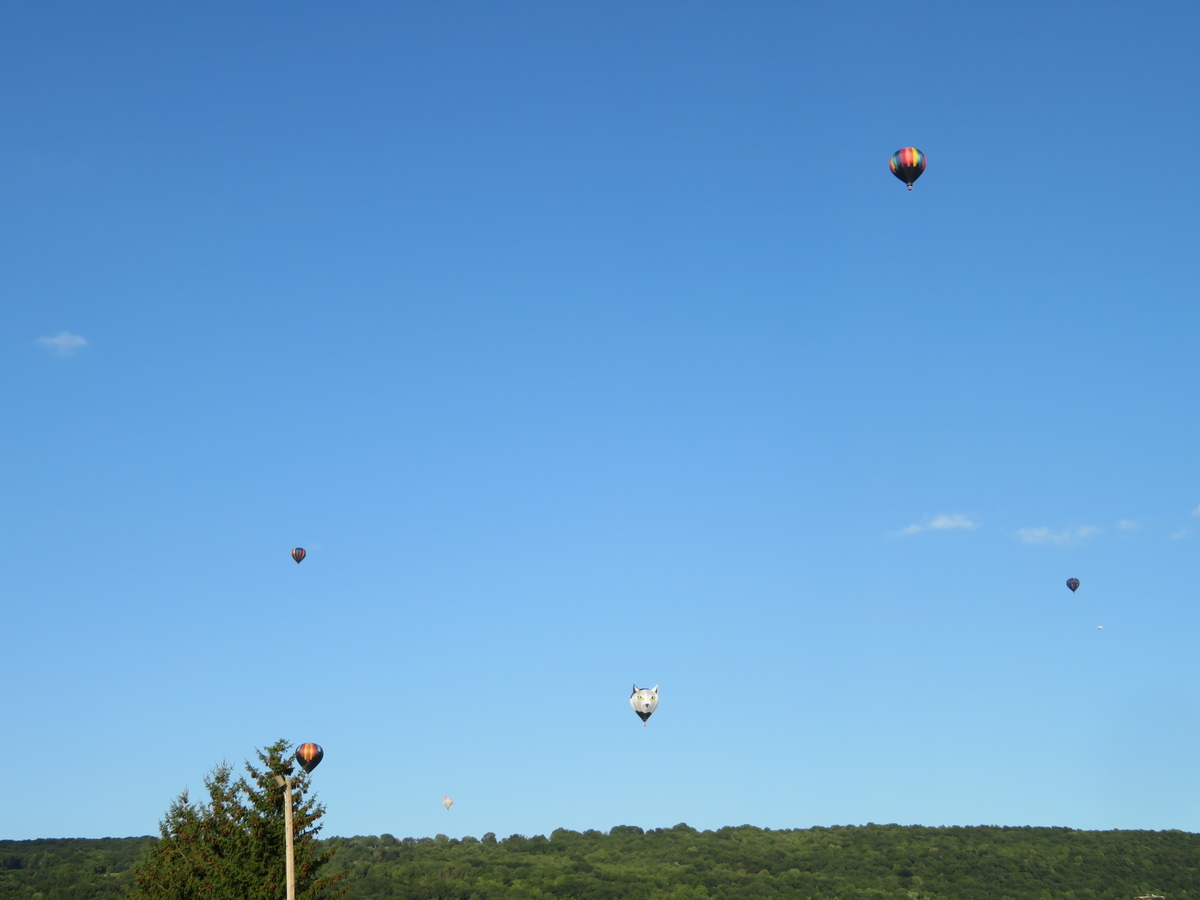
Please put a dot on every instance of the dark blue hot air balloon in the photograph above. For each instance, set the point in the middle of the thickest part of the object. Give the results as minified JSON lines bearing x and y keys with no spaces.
{"x":309,"y":756}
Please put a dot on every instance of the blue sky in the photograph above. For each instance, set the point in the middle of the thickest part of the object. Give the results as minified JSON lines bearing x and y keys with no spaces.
{"x":591,"y":344}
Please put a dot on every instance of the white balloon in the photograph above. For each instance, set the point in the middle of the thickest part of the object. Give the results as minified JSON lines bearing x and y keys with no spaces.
{"x":447,"y":802}
{"x":644,"y":702}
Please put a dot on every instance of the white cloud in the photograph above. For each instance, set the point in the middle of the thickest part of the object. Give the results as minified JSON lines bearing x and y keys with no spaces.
{"x":1042,"y":536}
{"x":1196,"y":511}
{"x":1057,"y":538}
{"x":940,"y":522}
{"x":957,"y":520}
{"x":1128,"y":525}
{"x":64,"y":343}
{"x":1181,"y":533}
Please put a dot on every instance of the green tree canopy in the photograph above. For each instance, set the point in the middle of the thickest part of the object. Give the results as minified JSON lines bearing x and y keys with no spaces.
{"x":872,"y":862}
{"x":233,"y":846}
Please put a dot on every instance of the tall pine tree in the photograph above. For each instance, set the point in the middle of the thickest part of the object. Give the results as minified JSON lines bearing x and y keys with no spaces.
{"x":232,"y":847}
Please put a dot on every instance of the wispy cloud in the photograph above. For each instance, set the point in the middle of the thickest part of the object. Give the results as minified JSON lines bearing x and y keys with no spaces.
{"x":1181,"y":533}
{"x":957,"y":520}
{"x":1128,"y":525}
{"x":1196,"y":511}
{"x":942,"y":522}
{"x":1057,"y":538}
{"x":64,"y":343}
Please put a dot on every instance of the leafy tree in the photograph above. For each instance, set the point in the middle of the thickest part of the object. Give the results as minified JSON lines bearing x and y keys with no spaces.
{"x":875,"y":862}
{"x":232,"y":847}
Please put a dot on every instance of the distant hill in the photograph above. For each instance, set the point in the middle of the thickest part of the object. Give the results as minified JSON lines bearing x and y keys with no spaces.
{"x":68,"y":868}
{"x":872,"y":862}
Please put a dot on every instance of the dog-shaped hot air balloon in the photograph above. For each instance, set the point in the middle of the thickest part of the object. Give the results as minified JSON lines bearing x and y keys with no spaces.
{"x":644,"y":701}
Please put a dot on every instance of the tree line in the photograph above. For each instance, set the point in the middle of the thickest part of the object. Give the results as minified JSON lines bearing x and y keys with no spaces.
{"x":872,"y":862}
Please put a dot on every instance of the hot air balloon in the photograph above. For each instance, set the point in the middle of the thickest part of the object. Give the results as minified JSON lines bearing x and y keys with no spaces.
{"x":447,"y":802}
{"x":1073,"y":584}
{"x":644,"y":702}
{"x":298,"y":554}
{"x":907,"y":164}
{"x":309,"y":755}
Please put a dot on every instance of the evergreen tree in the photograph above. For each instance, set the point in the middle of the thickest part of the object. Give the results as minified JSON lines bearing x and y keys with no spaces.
{"x":233,"y":846}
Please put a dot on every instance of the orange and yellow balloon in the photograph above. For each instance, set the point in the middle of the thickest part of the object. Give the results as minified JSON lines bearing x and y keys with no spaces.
{"x":309,"y":756}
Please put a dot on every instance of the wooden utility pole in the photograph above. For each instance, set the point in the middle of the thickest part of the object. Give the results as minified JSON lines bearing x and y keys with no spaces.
{"x":291,"y":849}
{"x":289,"y":846}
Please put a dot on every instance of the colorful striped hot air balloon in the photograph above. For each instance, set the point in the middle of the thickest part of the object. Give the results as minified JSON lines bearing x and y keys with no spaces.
{"x":309,"y":756}
{"x":298,"y":554}
{"x":907,"y":164}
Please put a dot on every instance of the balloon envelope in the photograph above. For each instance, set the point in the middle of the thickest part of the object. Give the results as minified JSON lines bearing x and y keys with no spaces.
{"x":447,"y":801}
{"x":309,"y":756}
{"x":298,"y":554}
{"x":907,"y":164}
{"x":644,"y":701}
{"x":1073,"y":584}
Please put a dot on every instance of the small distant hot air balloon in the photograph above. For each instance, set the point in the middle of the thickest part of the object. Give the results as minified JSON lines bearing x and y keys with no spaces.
{"x":298,"y":554}
{"x":309,"y":755}
{"x":644,"y":702}
{"x":447,"y":802}
{"x":907,"y":164}
{"x":1073,"y":584}
{"x":1099,"y":627}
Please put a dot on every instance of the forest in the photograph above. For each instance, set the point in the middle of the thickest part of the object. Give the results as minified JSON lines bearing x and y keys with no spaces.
{"x":680,"y":863}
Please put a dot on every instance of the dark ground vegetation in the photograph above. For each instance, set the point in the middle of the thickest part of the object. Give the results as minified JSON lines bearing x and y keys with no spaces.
{"x":69,"y":868}
{"x":872,"y":862}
